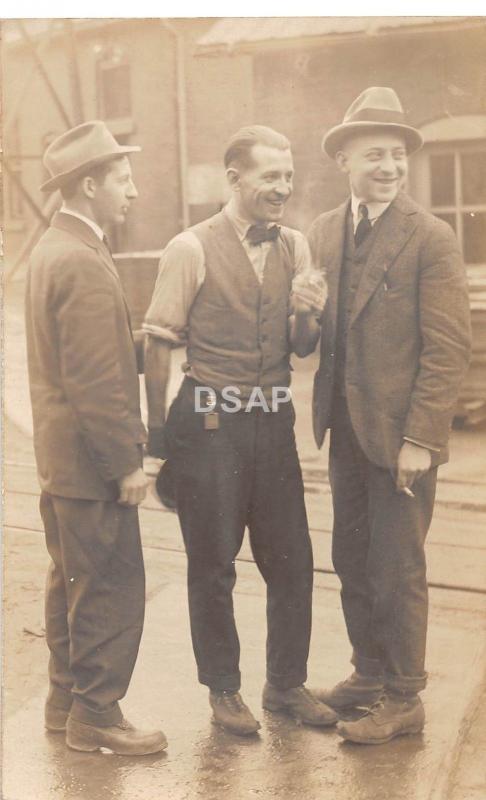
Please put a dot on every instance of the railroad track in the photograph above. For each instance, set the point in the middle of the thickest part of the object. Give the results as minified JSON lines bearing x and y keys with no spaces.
{"x":473,"y":551}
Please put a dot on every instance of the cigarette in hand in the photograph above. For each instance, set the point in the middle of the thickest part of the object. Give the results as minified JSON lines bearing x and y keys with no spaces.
{"x":407,"y":491}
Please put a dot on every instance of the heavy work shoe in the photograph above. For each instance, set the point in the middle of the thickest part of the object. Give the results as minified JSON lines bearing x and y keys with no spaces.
{"x":231,"y":713}
{"x":55,"y":718}
{"x":357,"y":690}
{"x":392,"y":716}
{"x":123,"y":739}
{"x":300,"y":703}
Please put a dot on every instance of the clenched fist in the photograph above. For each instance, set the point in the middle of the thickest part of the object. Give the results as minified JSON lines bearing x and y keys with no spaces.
{"x":133,"y":488}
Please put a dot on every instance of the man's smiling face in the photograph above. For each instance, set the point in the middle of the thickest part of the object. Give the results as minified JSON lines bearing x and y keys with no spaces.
{"x":265,"y":184}
{"x":376,"y":164}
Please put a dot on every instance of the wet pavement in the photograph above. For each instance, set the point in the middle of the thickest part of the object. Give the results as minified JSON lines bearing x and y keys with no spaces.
{"x":285,"y":761}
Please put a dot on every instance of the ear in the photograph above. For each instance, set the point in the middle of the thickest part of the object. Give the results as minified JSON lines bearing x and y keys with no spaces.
{"x":233,"y":178}
{"x":88,"y":185}
{"x":341,"y":159}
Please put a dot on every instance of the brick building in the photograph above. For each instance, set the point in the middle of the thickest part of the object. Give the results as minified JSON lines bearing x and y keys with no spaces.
{"x":180,"y":87}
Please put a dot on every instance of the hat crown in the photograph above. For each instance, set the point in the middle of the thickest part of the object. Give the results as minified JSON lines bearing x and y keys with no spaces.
{"x":82,"y":144}
{"x":377,"y":103}
{"x":80,"y":148}
{"x":377,"y":108}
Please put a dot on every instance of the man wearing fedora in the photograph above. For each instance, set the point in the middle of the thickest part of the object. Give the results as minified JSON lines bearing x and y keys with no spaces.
{"x":394,"y":348}
{"x":88,"y":436}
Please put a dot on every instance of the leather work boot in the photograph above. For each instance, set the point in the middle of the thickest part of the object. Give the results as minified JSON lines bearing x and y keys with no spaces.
{"x":357,"y":690}
{"x":231,"y":713}
{"x":393,"y":716}
{"x":55,"y":718}
{"x":123,"y":739}
{"x":300,"y":703}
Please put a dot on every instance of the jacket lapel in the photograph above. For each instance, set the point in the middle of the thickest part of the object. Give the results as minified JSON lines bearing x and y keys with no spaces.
{"x":76,"y":227}
{"x":396,"y":228}
{"x":332,"y":255}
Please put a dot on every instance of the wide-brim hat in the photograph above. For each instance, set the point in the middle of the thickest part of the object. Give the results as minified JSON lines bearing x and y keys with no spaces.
{"x":377,"y":108}
{"x":78,"y":149}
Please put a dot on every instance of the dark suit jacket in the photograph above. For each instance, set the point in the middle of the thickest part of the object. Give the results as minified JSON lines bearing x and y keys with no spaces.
{"x":82,"y":367}
{"x":409,"y":336}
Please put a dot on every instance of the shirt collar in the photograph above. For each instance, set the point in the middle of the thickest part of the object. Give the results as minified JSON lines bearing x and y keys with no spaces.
{"x":92,"y":224}
{"x":240,"y":224}
{"x":375,"y":209}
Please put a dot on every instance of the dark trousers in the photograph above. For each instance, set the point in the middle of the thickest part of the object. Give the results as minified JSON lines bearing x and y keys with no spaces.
{"x":245,"y":473}
{"x":378,"y":554}
{"x":95,"y":600}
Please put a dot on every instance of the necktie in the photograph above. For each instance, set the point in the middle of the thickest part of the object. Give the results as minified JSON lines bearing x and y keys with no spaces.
{"x":260,"y":233}
{"x":364,"y":225}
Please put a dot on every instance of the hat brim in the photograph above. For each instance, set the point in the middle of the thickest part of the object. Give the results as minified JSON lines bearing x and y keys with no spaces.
{"x":334,"y":138}
{"x":58,"y":180}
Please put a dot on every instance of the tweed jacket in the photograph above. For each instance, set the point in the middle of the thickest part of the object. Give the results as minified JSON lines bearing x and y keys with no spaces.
{"x":408,"y":339}
{"x":82,"y":367}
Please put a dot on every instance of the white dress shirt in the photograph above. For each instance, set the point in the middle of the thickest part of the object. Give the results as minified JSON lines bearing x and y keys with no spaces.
{"x":92,"y":224}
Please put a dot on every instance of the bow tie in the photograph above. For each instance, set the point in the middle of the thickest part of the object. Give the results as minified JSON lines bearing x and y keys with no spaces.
{"x":260,"y":233}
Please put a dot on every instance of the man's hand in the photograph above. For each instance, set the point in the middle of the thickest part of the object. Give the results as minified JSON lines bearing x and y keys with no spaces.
{"x":309,"y":293}
{"x":133,"y":488}
{"x":413,"y":462}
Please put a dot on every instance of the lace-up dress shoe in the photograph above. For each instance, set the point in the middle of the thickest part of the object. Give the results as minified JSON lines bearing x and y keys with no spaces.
{"x":55,"y":718}
{"x":357,"y":690}
{"x":123,"y":739}
{"x":393,"y":716}
{"x":300,"y":703}
{"x":231,"y":713}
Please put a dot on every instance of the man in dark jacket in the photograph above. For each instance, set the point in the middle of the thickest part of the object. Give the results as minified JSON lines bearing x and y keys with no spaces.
{"x":394,"y":348}
{"x":88,"y":436}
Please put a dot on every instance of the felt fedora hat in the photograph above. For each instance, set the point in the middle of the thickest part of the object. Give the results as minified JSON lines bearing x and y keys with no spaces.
{"x":78,"y":149}
{"x":376,"y":108}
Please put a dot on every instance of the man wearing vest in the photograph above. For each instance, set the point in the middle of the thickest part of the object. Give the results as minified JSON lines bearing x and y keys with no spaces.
{"x":224,"y":288}
{"x":88,"y":438}
{"x":394,"y":348}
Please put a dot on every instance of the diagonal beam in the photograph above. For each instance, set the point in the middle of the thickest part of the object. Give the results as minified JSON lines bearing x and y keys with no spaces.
{"x":40,"y":66}
{"x":52,"y":204}
{"x":73,"y":67}
{"x":25,"y":193}
{"x":15,"y":103}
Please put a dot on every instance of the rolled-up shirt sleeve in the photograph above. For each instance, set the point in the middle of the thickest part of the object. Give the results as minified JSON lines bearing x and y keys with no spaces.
{"x":302,"y":254}
{"x":181,"y":274}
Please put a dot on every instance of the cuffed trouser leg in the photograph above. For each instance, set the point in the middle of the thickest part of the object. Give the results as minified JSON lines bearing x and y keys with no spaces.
{"x":280,"y":542}
{"x":94,"y":624}
{"x":397,"y":575}
{"x":378,"y":552}
{"x":244,"y":472}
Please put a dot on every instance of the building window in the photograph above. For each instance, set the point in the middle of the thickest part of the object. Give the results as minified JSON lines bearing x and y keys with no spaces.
{"x":458,"y":196}
{"x":449,"y":178}
{"x":114,"y":92}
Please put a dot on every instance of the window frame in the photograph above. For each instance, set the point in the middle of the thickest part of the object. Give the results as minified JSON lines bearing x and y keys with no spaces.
{"x":443,"y":137}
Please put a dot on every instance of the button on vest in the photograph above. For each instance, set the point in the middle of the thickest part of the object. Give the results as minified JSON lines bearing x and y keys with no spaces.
{"x":354,"y":262}
{"x":238,"y":329}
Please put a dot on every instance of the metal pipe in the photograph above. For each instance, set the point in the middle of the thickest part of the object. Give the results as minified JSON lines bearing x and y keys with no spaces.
{"x":181,"y":100}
